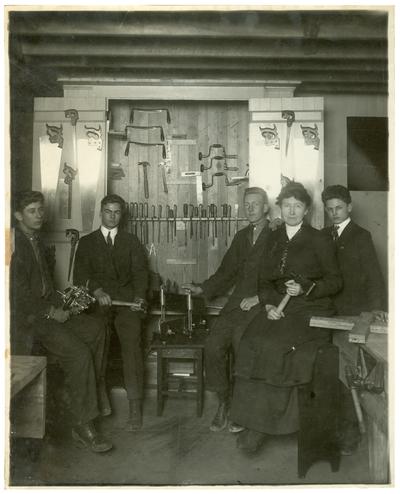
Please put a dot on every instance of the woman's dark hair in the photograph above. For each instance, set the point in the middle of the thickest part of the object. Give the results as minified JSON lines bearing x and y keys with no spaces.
{"x":26,"y":197}
{"x":296,"y":190}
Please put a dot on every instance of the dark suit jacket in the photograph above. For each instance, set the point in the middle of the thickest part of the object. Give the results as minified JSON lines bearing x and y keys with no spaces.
{"x":239,"y":268}
{"x":26,"y":301}
{"x":120,"y":271}
{"x":363,"y":287}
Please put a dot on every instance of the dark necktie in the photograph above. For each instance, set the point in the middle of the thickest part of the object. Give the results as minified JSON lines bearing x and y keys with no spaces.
{"x":335,"y":234}
{"x":109,"y":240}
{"x":44,"y":272}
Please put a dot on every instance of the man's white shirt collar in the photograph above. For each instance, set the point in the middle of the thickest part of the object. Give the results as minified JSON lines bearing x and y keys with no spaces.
{"x":112,"y":232}
{"x":341,"y":226}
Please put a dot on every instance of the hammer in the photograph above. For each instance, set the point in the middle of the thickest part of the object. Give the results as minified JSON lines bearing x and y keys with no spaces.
{"x":145,"y":164}
{"x":72,"y":234}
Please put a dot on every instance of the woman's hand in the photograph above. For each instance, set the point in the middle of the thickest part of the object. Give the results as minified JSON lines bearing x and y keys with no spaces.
{"x":249,"y":302}
{"x":293,"y":289}
{"x":272,"y":313}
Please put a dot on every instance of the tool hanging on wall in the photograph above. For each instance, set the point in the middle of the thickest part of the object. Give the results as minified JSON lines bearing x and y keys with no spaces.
{"x":70,"y":172}
{"x":220,"y":147}
{"x":147,"y":144}
{"x":94,"y":137}
{"x":145,"y":127}
{"x":146,"y":222}
{"x":159,"y":222}
{"x":153,"y":216}
{"x":145,"y":164}
{"x":290,"y":117}
{"x":141,"y":221}
{"x":185,"y":216}
{"x":149,"y":110}
{"x":55,"y":134}
{"x":228,"y":183}
{"x":175,"y":216}
{"x":73,"y":235}
{"x":164,"y":176}
{"x":167,"y":211}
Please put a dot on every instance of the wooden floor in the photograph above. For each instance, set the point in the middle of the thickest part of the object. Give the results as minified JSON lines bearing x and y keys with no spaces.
{"x":175,"y":449}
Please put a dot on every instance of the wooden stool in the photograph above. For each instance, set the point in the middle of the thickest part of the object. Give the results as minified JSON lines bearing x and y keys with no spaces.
{"x":319,"y":413}
{"x":191,"y":385}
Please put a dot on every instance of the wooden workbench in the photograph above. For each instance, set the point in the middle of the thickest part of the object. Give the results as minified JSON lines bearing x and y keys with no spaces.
{"x":27,"y":396}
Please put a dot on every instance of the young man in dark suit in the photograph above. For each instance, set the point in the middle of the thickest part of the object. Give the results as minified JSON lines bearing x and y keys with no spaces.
{"x":238,"y":270}
{"x":114,"y":264}
{"x":363,"y":286}
{"x":37,"y":315}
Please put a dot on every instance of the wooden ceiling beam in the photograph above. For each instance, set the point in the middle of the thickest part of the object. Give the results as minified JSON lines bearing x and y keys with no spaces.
{"x":200,"y":63}
{"x":245,"y":73}
{"x":266,"y":25}
{"x":235,"y":48}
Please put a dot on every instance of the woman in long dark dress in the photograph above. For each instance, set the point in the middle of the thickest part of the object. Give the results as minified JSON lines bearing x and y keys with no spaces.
{"x":277,"y":351}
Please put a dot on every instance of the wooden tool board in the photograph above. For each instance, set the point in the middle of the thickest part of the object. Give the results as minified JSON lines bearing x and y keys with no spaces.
{"x":194,"y":127}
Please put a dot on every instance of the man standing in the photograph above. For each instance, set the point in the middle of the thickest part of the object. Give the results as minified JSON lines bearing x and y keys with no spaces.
{"x":37,"y":314}
{"x":363,"y":286}
{"x":114,"y":264}
{"x":239,"y":269}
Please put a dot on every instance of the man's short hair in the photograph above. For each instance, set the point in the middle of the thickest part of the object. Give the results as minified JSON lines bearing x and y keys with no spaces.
{"x":26,"y":197}
{"x":111,"y":199}
{"x":256,"y":190}
{"x":336,"y":192}
{"x":296,"y":190}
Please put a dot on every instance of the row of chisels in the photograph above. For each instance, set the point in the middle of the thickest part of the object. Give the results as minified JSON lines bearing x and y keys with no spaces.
{"x":199,"y":222}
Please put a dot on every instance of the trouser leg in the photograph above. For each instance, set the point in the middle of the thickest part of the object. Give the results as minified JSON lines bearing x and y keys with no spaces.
{"x":128,"y":327}
{"x":74,"y":343}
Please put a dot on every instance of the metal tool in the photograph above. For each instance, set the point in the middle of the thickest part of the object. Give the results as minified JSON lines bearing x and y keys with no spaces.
{"x":135,"y":214}
{"x":213,"y":146}
{"x":224,"y":219}
{"x":229,"y":219}
{"x":202,"y":224}
{"x":149,"y":110}
{"x":191,"y":211}
{"x":70,"y":174}
{"x":147,"y":144}
{"x":153,"y":216}
{"x":159,"y":222}
{"x":196,"y":215}
{"x":167,"y":210}
{"x":145,"y":164}
{"x":164,"y":176}
{"x":185,"y":216}
{"x":171,"y":221}
{"x":175,"y":216}
{"x":141,"y":221}
{"x":146,"y":222}
{"x":290,"y":117}
{"x":146,"y":127}
{"x":73,"y":235}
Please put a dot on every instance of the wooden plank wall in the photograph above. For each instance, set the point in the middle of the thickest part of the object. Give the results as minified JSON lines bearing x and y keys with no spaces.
{"x":202,"y":123}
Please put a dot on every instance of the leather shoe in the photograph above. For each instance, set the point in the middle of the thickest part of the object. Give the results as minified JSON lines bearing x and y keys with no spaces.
{"x":250,"y":442}
{"x":234,"y":428}
{"x":220,"y":421}
{"x":86,"y":436}
{"x":104,"y":402}
{"x":135,"y":416}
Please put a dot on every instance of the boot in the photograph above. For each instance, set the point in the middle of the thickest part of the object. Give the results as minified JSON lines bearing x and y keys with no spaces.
{"x":135,"y":416}
{"x":250,"y":441}
{"x":86,"y":436}
{"x":220,"y":421}
{"x":102,"y":396}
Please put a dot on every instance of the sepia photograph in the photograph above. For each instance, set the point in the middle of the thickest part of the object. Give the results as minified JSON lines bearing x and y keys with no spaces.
{"x":198,"y":245}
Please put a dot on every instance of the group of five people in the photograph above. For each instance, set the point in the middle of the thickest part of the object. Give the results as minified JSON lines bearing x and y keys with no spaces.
{"x":334,"y":270}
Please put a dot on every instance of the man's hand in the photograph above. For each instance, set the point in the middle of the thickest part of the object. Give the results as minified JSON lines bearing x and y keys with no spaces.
{"x":142,"y":302}
{"x":272,"y":312}
{"x":247,"y":303}
{"x":195,"y":289}
{"x":102,"y":297}
{"x":276,"y":223}
{"x":293,"y":289}
{"x":59,"y":314}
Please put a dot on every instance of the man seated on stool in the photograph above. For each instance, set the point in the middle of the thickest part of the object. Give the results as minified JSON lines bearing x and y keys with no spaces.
{"x":363,"y":286}
{"x":115,"y":264}
{"x":239,"y":269}
{"x":37,"y":314}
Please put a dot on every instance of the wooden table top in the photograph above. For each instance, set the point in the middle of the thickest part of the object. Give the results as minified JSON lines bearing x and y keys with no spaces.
{"x":24,"y":368}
